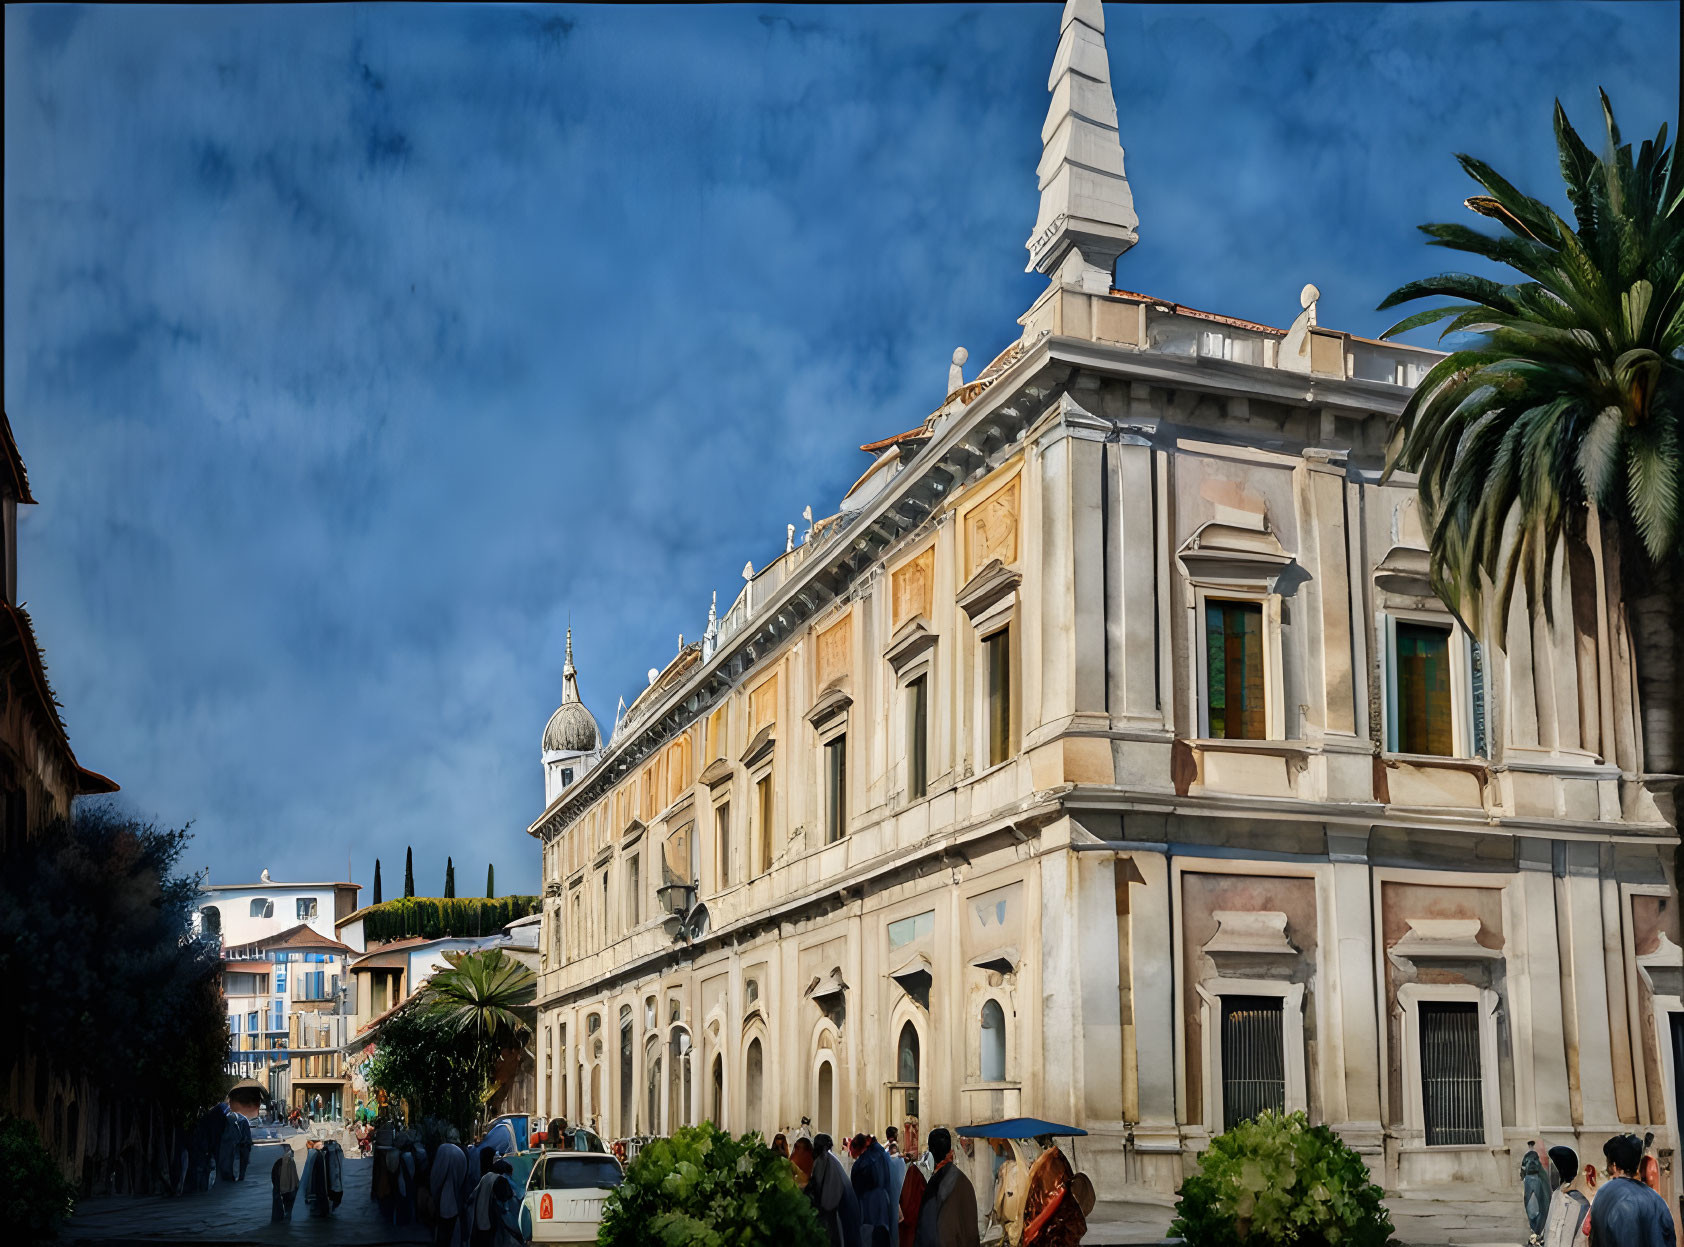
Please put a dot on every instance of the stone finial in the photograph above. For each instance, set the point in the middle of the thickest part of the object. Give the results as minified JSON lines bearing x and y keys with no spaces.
{"x":956,"y":370}
{"x":1087,"y":214}
{"x":789,"y":538}
{"x":807,"y":514}
{"x":569,"y":674}
{"x":1294,"y":351}
{"x":748,"y":570}
{"x":654,"y":674}
{"x":710,"y":635}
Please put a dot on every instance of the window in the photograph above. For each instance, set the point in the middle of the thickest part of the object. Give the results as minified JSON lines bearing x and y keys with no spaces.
{"x":1253,"y":1058}
{"x":210,"y":920}
{"x":906,"y":1067}
{"x":306,"y":908}
{"x":763,"y":833}
{"x":1424,"y":708}
{"x":1452,"y":1097}
{"x":251,"y":1022}
{"x":625,"y":1122}
{"x":262,"y":908}
{"x":281,"y":977}
{"x":997,"y":661}
{"x":827,"y":1096}
{"x":754,"y":1077}
{"x":566,"y":776}
{"x":722,"y":841}
{"x":634,"y":883}
{"x":917,"y":737}
{"x":836,"y":788}
{"x":993,"y":1042}
{"x":1234,"y":670}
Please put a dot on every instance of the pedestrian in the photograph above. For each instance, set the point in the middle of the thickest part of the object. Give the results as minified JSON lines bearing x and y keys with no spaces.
{"x":833,"y":1196}
{"x":1057,"y":1201}
{"x":1565,"y":1224}
{"x":870,"y":1180}
{"x":897,"y":1173}
{"x":911,"y":1200}
{"x":947,"y":1213}
{"x":780,"y":1145}
{"x":242,"y":1146}
{"x":1626,"y":1212}
{"x":801,"y":1157}
{"x":1534,"y":1188}
{"x":491,"y":1199}
{"x":283,"y":1177}
{"x":450,"y":1168}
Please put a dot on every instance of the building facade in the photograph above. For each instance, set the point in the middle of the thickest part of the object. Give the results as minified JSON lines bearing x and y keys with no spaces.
{"x":1108,"y":758}
{"x":288,"y":987}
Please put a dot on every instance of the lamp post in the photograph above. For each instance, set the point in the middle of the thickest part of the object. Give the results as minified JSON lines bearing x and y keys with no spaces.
{"x":687,"y":917}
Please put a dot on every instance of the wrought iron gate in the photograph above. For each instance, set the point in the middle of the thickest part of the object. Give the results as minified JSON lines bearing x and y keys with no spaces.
{"x":1452,"y":1098}
{"x":1253,"y":1058}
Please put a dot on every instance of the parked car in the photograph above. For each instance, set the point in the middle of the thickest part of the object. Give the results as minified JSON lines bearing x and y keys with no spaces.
{"x":564,"y":1194}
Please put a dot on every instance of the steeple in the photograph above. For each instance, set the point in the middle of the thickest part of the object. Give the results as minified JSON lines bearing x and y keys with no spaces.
{"x":1087,"y":214}
{"x":569,"y":674}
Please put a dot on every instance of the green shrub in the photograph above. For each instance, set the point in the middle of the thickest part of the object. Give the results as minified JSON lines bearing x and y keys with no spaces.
{"x":1280,"y":1181}
{"x":34,"y":1195}
{"x":704,"y":1187}
{"x":434,"y":918}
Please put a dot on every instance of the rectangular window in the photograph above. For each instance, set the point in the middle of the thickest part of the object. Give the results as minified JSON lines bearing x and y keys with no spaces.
{"x":1253,"y":1058}
{"x":1234,"y":670}
{"x":836,"y":789}
{"x":306,"y":908}
{"x":1452,"y":1099}
{"x":1424,"y":714}
{"x":917,"y":737}
{"x":281,"y":978}
{"x":997,"y":661}
{"x":763,"y":832}
{"x":634,"y":883}
{"x":722,"y":840}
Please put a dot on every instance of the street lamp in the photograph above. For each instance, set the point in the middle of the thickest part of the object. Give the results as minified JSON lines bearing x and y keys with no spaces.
{"x":687,"y":918}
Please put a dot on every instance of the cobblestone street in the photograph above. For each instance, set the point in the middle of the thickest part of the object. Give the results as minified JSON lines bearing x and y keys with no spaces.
{"x":238,"y":1212}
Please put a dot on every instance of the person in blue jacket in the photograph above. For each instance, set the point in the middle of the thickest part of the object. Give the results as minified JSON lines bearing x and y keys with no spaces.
{"x":1627,"y":1213}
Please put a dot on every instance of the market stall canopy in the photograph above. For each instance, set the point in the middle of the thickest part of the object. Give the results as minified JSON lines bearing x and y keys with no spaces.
{"x":1017,"y":1128}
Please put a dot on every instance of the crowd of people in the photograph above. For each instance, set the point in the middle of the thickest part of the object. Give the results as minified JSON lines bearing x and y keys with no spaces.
{"x":426,"y":1177}
{"x":1566,"y":1206}
{"x":869,"y":1193}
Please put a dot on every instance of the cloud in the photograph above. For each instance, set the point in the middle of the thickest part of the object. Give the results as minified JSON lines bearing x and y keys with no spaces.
{"x":355,"y":349}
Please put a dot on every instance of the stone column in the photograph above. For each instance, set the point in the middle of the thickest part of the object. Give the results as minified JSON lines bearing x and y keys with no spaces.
{"x":1157,"y":1137}
{"x":1350,"y":1054}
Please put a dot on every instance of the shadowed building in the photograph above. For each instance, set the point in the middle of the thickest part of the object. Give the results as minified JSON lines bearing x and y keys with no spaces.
{"x":1108,"y":757}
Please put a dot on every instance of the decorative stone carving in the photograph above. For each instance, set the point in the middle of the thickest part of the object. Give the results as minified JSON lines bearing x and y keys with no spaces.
{"x":912,"y":587}
{"x":991,"y":529}
{"x":1253,"y":932}
{"x":1442,"y":939}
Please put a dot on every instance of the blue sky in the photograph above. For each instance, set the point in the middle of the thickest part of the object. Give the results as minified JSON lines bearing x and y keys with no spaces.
{"x":352,"y":349}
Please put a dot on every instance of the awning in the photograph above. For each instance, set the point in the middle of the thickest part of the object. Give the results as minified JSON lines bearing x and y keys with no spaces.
{"x":1017,"y":1128}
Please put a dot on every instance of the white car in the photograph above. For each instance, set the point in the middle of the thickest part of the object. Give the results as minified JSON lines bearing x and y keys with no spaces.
{"x":564,"y":1194}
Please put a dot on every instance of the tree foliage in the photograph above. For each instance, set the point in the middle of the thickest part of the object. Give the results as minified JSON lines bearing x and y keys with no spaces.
{"x":440,"y":1052}
{"x":704,"y":1187}
{"x":34,"y":1195}
{"x":434,"y":918}
{"x":1277,"y":1181}
{"x":1570,"y":390}
{"x":449,"y":879}
{"x":107,"y":978}
{"x":409,"y":872}
{"x":490,"y":880}
{"x":377,"y":881}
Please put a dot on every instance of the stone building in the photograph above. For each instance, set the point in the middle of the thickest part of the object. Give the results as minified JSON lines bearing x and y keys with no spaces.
{"x":1107,"y":757}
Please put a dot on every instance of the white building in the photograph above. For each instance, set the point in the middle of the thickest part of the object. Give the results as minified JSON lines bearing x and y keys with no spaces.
{"x":1108,"y":758}
{"x":243,"y":913}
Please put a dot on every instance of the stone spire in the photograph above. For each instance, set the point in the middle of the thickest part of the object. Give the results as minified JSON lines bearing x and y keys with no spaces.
{"x":1087,"y":211}
{"x":569,"y":674}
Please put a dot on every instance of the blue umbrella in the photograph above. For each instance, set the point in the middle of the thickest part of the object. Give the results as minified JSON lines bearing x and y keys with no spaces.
{"x":1017,"y":1128}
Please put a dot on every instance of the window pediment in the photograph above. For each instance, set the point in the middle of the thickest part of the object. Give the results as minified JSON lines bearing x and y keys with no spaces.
{"x":990,"y":585}
{"x":912,"y":638}
{"x":1234,"y":554}
{"x":831,"y":705}
{"x":760,"y":747}
{"x":1442,"y":939}
{"x":718,"y":771}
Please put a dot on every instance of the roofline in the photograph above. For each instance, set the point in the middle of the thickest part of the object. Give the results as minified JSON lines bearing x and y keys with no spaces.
{"x":14,"y":460}
{"x":273,"y":883}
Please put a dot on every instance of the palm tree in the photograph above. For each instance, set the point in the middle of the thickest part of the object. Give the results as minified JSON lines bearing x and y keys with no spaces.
{"x":487,"y":993}
{"x":1558,"y":428}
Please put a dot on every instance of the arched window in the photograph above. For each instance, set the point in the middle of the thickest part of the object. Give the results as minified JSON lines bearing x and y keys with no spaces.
{"x":624,"y":1125}
{"x":718,"y":1105}
{"x":678,"y":1075}
{"x":210,"y":920}
{"x":906,"y":1074}
{"x":827,"y":1096}
{"x":993,"y":1042}
{"x":754,"y":1075}
{"x":653,"y":1124}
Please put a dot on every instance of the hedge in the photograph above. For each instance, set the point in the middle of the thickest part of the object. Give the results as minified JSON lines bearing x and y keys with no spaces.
{"x":436,"y":917}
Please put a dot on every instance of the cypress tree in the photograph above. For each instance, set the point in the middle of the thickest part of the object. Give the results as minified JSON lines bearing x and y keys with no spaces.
{"x":409,"y":871}
{"x":377,"y":881}
{"x":490,"y":880}
{"x":449,"y":877}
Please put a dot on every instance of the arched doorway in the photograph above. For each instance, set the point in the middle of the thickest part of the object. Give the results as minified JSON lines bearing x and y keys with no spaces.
{"x":827,"y":1098}
{"x":754,"y":1073}
{"x":652,"y":1064}
{"x":993,"y":1046}
{"x":679,"y":1107}
{"x":903,"y":1092}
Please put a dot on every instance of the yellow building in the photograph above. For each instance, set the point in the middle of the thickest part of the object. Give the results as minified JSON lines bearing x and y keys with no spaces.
{"x":1107,"y":758}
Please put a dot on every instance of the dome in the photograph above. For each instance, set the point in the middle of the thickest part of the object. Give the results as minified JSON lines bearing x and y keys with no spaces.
{"x":571,"y":729}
